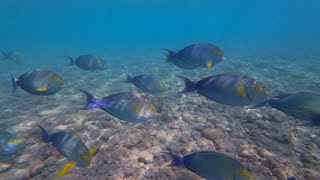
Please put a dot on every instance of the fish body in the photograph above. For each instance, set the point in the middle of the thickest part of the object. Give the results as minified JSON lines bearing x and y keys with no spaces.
{"x":304,"y":106}
{"x":203,"y":55}
{"x":70,"y":147}
{"x":237,"y":90}
{"x":147,"y":83}
{"x":38,"y":82}
{"x":88,"y":62}
{"x":130,"y":107}
{"x":10,"y":144}
{"x":212,"y":165}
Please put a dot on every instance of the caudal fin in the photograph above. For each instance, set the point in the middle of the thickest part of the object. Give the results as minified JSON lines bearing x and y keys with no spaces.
{"x":175,"y":159}
{"x":71,"y":61}
{"x":129,"y":78}
{"x":44,"y":134}
{"x":169,"y":55}
{"x":14,"y":83}
{"x":92,"y":102}
{"x":189,"y":85}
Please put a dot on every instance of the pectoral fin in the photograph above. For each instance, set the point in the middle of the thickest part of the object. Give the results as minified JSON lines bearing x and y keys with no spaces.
{"x":66,"y":168}
{"x":92,"y":151}
{"x":42,"y":89}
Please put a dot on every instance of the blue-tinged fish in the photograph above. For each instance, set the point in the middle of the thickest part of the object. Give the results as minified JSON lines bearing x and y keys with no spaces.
{"x":38,"y":82}
{"x":304,"y":106}
{"x":10,"y":144}
{"x":130,"y":107}
{"x":14,"y":56}
{"x":70,"y":147}
{"x":204,"y":55}
{"x":212,"y":166}
{"x":147,"y":83}
{"x":237,"y":90}
{"x":88,"y":62}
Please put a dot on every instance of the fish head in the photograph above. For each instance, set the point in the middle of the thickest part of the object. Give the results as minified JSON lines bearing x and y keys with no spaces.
{"x":15,"y":144}
{"x":56,"y":80}
{"x":218,"y":52}
{"x":243,"y":174}
{"x":145,"y":111}
{"x":256,"y":92}
{"x":84,"y":159}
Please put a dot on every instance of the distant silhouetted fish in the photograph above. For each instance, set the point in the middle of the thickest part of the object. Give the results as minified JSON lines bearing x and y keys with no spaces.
{"x":14,"y":56}
{"x":147,"y":83}
{"x":88,"y":62}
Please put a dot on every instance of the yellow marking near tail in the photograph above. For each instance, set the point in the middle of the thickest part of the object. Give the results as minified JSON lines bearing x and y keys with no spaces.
{"x":15,"y":141}
{"x":241,"y":92}
{"x":209,"y":63}
{"x":42,"y":89}
{"x":66,"y":168}
{"x":92,"y":151}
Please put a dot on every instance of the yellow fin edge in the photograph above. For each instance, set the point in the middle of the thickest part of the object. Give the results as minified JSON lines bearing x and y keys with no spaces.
{"x":66,"y":168}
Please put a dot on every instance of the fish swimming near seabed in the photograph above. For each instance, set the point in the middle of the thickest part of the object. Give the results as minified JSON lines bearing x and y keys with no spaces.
{"x":38,"y":82}
{"x":70,"y":147}
{"x":231,"y":89}
{"x":147,"y":83}
{"x":88,"y":62}
{"x":132,"y":107}
{"x":303,"y":106}
{"x":212,"y":165}
{"x":203,"y":55}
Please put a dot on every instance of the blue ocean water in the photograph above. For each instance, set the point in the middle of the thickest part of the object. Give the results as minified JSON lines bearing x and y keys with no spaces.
{"x":275,"y":42}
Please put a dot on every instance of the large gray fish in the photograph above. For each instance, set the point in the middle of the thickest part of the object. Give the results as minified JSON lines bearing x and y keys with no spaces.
{"x":14,"y":56}
{"x":70,"y":147}
{"x":304,"y":106}
{"x":10,"y":144}
{"x":204,"y":55}
{"x":130,"y":107}
{"x":147,"y":83}
{"x":88,"y":62}
{"x":237,"y":90}
{"x":38,"y":82}
{"x":212,"y":166}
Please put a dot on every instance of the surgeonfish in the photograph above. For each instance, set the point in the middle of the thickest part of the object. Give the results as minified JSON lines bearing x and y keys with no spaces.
{"x":304,"y":106}
{"x":10,"y":144}
{"x":71,"y":147}
{"x":14,"y":56}
{"x":38,"y":82}
{"x":147,"y":83}
{"x":236,"y":90}
{"x":130,"y":107}
{"x":203,"y":55}
{"x":88,"y":62}
{"x":212,"y":165}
